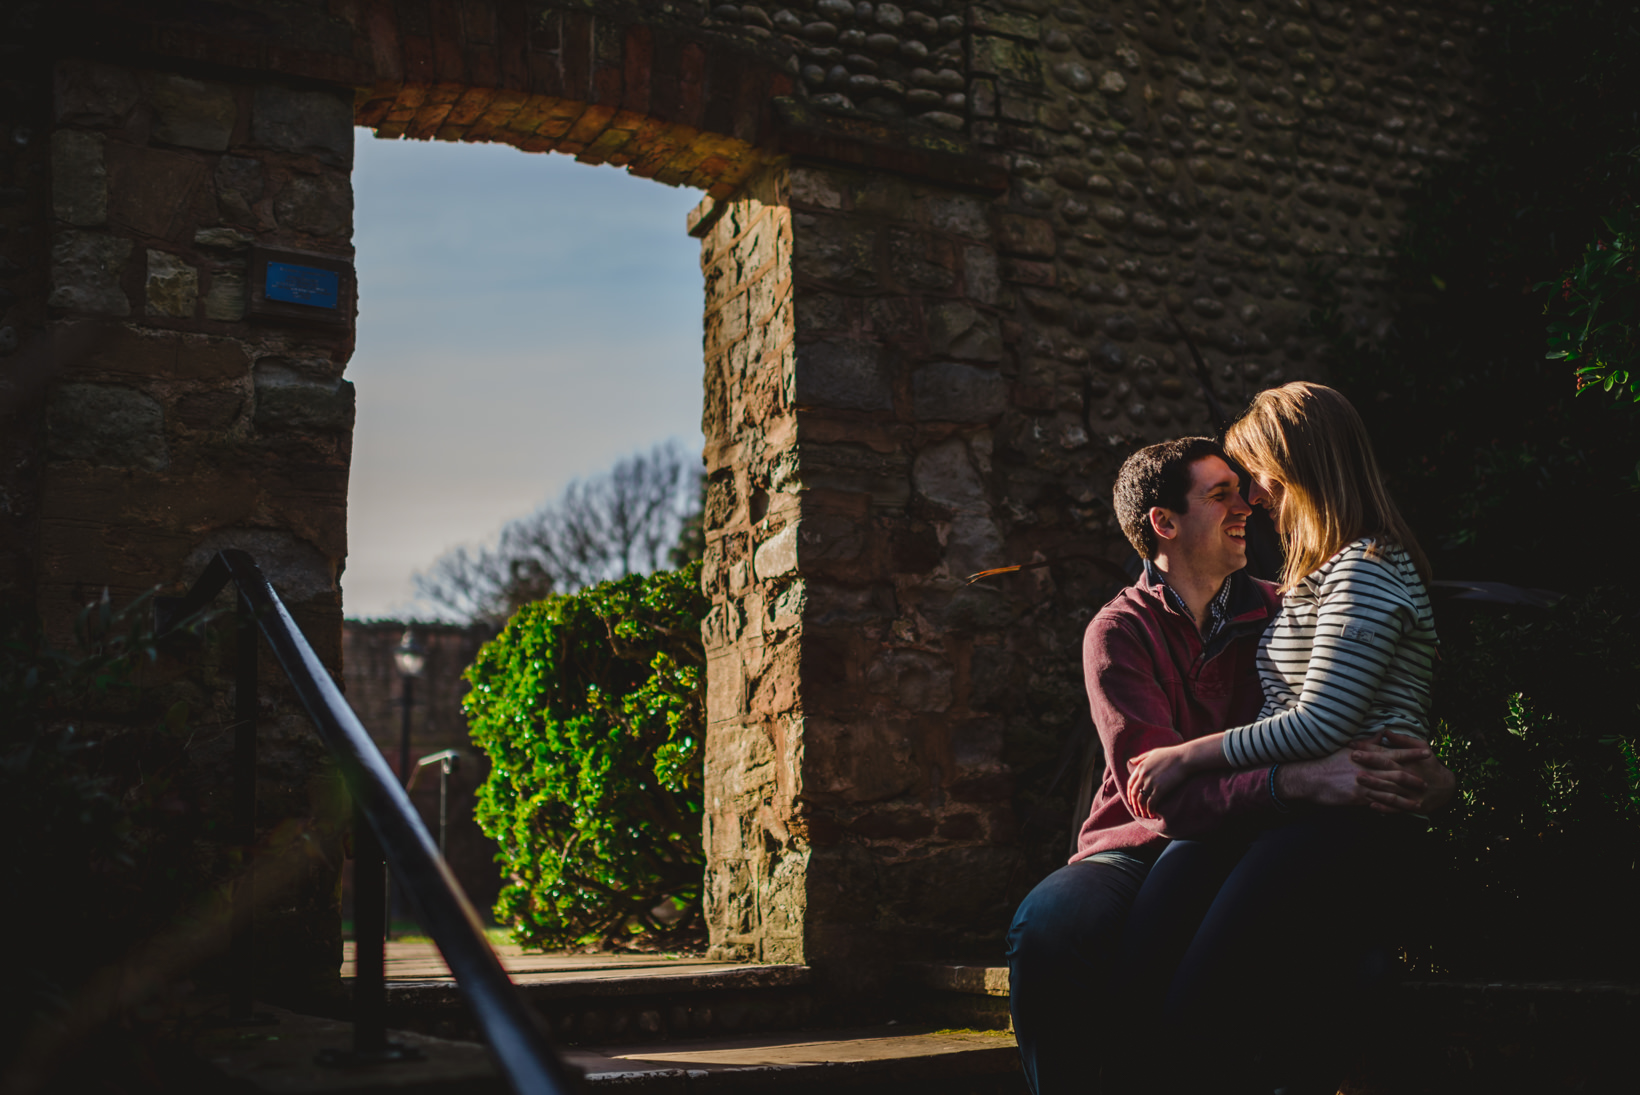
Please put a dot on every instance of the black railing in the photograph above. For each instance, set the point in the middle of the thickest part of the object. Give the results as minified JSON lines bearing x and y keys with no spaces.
{"x":385,"y":825}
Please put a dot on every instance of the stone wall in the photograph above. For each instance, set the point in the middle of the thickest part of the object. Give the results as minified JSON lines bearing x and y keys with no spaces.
{"x":952,"y":254}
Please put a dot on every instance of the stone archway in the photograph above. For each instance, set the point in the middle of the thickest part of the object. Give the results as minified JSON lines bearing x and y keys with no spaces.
{"x":949,"y":249}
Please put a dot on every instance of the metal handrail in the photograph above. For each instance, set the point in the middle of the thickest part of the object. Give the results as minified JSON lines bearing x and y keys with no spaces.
{"x":520,"y":1050}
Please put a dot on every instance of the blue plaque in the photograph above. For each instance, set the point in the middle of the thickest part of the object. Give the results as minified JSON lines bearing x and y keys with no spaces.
{"x":307,"y":285}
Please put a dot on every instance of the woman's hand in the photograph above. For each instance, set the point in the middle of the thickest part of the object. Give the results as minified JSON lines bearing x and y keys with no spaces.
{"x":1152,"y":775}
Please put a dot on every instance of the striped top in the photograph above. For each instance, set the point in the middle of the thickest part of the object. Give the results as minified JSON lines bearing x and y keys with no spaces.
{"x":1351,"y":653}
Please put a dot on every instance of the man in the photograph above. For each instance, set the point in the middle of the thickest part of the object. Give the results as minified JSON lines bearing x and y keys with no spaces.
{"x":1241,"y":917}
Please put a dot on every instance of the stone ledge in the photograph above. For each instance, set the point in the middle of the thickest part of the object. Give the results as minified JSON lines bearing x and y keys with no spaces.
{"x":853,"y":1058}
{"x":279,"y":1058}
{"x":971,"y":978}
{"x":1541,"y":998}
{"x":538,"y":988}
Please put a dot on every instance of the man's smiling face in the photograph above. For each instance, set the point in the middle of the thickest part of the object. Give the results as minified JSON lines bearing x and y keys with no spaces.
{"x":1210,"y":537}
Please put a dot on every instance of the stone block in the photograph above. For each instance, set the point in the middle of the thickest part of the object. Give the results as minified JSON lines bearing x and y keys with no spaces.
{"x":959,"y":215}
{"x":295,"y":567}
{"x":885,"y":477}
{"x":103,"y":350}
{"x":981,"y":278}
{"x":956,"y":329}
{"x":172,"y":286}
{"x":952,"y":392}
{"x":150,"y":190}
{"x":289,"y":401}
{"x":994,"y":56}
{"x":90,"y":93}
{"x":776,"y":555}
{"x":106,"y":425}
{"x":816,"y":187}
{"x":846,"y":375}
{"x":313,"y":123}
{"x":79,"y":178}
{"x":320,"y":205}
{"x":190,"y":113}
{"x":944,"y":475}
{"x":238,"y":187}
{"x":85,"y":273}
{"x":837,"y":251}
{"x":918,"y":681}
{"x":1032,"y":237}
{"x":226,"y":299}
{"x":212,"y":410}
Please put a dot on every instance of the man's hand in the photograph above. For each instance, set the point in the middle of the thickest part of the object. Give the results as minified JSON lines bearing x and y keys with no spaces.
{"x":1387,"y":761}
{"x":1331,"y":781}
{"x":1392,"y":774}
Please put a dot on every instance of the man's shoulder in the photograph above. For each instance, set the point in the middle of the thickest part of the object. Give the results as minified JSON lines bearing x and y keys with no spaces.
{"x":1132,"y":613}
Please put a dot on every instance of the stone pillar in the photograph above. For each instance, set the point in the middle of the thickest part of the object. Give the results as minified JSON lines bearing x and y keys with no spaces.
{"x":756,"y":860}
{"x":177,"y":423}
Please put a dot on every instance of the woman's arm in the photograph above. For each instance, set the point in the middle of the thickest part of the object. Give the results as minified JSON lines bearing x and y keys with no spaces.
{"x":1363,"y":614}
{"x":1153,"y":774}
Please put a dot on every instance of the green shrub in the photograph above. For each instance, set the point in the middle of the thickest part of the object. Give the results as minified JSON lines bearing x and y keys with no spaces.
{"x":1538,"y":717}
{"x":590,"y":707}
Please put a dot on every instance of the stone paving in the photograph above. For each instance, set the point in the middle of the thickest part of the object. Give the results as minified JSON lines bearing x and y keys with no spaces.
{"x":422,"y":962}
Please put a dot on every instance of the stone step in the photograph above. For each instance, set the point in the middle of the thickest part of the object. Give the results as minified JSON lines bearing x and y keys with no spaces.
{"x":888,"y":1060}
{"x":586,"y":999}
{"x":1442,"y":1037}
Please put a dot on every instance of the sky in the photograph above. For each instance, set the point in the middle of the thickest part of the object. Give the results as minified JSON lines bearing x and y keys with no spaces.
{"x":524,"y":320}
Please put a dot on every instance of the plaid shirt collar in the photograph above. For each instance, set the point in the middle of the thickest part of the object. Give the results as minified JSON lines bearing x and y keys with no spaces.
{"x":1218,"y":609}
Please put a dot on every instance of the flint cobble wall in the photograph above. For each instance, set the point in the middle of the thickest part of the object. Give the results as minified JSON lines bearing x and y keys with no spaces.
{"x":952,"y":253}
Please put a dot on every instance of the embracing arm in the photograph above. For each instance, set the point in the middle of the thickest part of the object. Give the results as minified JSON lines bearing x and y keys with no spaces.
{"x":1133,"y":714}
{"x":1362,"y":617}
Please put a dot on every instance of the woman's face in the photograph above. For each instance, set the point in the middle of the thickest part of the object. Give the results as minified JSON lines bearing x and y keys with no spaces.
{"x":1267,"y":491}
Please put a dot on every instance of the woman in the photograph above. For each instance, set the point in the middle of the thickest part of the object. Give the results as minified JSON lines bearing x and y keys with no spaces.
{"x":1352,"y":652}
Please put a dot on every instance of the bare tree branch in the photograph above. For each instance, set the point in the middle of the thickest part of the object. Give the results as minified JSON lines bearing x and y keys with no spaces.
{"x":629,"y":520}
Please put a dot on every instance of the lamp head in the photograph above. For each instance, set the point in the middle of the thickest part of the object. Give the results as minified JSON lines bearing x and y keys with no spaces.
{"x":410,"y":655}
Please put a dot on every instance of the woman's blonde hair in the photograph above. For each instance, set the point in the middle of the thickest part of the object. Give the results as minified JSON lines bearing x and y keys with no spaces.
{"x":1308,"y":437}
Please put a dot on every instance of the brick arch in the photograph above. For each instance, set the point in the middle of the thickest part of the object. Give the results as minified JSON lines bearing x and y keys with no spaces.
{"x":663,"y":103}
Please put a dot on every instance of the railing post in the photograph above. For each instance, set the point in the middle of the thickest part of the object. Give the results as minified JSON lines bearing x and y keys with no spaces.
{"x":242,"y":989}
{"x":369,"y":941}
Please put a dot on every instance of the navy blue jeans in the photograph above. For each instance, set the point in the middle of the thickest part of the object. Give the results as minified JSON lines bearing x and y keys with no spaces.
{"x":1233,"y":964}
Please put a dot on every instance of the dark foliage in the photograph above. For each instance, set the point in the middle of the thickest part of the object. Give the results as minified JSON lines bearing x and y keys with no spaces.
{"x":100,"y":842}
{"x":1489,"y":448}
{"x":1536,"y":862}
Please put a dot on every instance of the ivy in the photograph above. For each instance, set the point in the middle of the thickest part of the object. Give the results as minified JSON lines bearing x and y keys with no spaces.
{"x":591,"y":709}
{"x":1596,"y":324}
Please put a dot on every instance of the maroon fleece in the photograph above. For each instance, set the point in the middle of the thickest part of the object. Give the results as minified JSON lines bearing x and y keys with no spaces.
{"x":1149,"y":685}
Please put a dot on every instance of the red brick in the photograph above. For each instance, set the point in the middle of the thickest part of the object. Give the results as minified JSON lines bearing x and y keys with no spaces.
{"x":635,"y":92}
{"x":691,"y":85}
{"x":478,"y":22}
{"x":587,"y":128}
{"x":382,"y":29}
{"x":492,"y":125}
{"x":483,"y":67}
{"x":576,"y":55}
{"x":471,"y":106}
{"x":418,"y":59}
{"x":448,"y":62}
{"x":561,"y":117}
{"x":512,"y":43}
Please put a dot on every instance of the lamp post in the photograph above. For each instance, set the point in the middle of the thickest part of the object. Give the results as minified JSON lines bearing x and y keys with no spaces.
{"x":411,"y":659}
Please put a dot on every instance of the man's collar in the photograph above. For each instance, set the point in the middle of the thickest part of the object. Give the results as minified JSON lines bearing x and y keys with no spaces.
{"x":1237,"y":601}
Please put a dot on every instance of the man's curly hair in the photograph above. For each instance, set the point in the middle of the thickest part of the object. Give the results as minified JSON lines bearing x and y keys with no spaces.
{"x":1158,"y":475}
